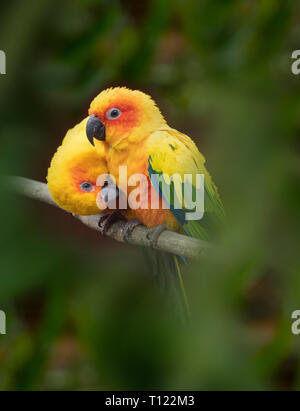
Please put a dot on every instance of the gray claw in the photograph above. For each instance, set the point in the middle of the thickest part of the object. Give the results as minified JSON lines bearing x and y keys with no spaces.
{"x":128,"y":228}
{"x":107,"y":220}
{"x":154,"y":233}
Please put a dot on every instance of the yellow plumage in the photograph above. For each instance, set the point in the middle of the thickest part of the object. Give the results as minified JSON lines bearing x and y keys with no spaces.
{"x":137,"y":137}
{"x":74,"y":162}
{"x":141,"y":140}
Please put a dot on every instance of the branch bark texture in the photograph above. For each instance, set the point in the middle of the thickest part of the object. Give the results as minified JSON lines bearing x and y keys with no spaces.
{"x":169,"y":241}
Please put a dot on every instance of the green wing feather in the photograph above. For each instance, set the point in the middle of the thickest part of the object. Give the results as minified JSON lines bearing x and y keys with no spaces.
{"x":171,"y":152}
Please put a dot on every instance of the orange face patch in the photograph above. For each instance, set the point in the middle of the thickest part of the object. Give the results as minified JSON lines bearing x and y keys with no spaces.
{"x":79,"y":176}
{"x":129,"y":118}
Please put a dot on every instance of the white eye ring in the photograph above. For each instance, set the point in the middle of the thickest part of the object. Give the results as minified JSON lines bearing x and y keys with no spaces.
{"x":86,"y":187}
{"x":113,"y":113}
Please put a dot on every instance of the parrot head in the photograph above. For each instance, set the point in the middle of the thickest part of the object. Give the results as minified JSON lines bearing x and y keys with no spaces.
{"x":73,"y":175}
{"x":122,"y":116}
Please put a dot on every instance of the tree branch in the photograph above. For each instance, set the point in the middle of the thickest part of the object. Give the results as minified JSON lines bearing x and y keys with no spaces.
{"x":169,"y":241}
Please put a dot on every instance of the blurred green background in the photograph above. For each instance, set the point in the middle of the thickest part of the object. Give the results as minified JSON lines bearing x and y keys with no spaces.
{"x":83,"y":311}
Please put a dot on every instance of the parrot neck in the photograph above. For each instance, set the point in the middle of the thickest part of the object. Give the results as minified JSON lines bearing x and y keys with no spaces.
{"x":129,"y":143}
{"x":133,"y":156}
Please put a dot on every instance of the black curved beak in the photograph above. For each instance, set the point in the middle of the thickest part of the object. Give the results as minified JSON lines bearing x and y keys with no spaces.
{"x":95,"y":129}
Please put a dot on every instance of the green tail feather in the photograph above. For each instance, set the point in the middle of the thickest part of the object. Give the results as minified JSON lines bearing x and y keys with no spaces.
{"x":167,"y":274}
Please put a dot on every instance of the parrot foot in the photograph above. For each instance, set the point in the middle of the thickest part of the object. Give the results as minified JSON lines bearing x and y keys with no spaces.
{"x":107,"y":220}
{"x":128,"y":228}
{"x":154,"y":233}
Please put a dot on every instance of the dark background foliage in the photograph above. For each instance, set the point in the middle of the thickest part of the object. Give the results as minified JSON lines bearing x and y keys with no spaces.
{"x":83,"y":311}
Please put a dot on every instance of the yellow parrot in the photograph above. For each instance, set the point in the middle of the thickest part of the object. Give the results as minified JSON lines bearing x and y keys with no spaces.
{"x":139,"y":138}
{"x":73,"y":176}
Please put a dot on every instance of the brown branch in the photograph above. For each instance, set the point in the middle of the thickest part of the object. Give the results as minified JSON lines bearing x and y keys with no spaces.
{"x":169,"y":241}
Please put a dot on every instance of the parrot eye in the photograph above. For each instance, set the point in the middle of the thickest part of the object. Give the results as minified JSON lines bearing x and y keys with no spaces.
{"x":113,"y":113}
{"x":86,"y":187}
